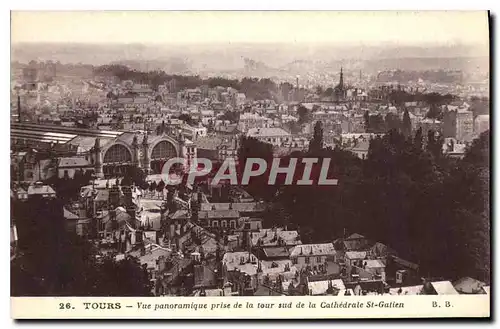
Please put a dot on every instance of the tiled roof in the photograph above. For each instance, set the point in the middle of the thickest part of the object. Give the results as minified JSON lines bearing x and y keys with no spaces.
{"x":270,"y":237}
{"x":374,"y":263}
{"x":271,"y":132}
{"x":313,"y":250}
{"x":40,"y":189}
{"x":356,"y":254}
{"x":232,"y":261}
{"x":211,"y":214}
{"x":276,"y":251}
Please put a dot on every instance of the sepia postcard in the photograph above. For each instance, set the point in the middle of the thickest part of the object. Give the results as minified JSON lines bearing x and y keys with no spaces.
{"x":250,"y":164}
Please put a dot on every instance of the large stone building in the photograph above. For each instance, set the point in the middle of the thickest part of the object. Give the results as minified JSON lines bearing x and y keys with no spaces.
{"x":110,"y":153}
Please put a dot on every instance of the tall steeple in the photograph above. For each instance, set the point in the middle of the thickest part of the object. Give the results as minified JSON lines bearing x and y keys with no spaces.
{"x":341,"y":82}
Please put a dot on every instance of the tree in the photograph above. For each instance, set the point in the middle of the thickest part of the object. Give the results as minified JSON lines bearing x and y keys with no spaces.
{"x":316,"y":143}
{"x":188,"y":119}
{"x":304,"y":114}
{"x":329,"y":92}
{"x":434,"y":112}
{"x":160,"y":187}
{"x":126,"y":181}
{"x":377,"y":124}
{"x":152,"y":186}
{"x":231,"y":116}
{"x":137,"y":176}
{"x":253,"y":148}
{"x":418,"y":139}
{"x":406,"y":125}
{"x":435,"y":143}
{"x":76,"y":271}
{"x":366,"y":117}
{"x":392,"y":122}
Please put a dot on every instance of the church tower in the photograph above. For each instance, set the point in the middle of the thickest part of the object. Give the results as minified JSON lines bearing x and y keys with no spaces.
{"x":341,"y":82}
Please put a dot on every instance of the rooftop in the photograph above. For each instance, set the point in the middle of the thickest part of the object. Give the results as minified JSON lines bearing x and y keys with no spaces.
{"x":321,"y":287}
{"x":356,"y":254}
{"x":410,"y":290}
{"x":267,"y":132}
{"x":40,"y":189}
{"x":239,"y":206}
{"x":73,"y":162}
{"x":273,"y":237}
{"x":313,"y":250}
{"x":444,"y":288}
{"x":213,"y":214}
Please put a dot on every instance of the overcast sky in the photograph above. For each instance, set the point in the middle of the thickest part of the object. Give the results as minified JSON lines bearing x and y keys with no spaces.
{"x":370,"y":28}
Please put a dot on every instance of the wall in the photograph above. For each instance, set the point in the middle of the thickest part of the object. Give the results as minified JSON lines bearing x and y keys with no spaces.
{"x":313,"y":261}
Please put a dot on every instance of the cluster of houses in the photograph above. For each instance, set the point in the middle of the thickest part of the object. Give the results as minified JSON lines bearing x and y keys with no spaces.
{"x":191,"y":242}
{"x":194,"y":247}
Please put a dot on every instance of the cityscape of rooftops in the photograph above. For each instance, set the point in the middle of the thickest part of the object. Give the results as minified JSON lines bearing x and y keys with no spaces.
{"x":178,"y":169}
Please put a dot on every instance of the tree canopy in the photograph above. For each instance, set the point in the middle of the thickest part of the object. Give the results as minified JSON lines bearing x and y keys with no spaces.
{"x":432,"y":209}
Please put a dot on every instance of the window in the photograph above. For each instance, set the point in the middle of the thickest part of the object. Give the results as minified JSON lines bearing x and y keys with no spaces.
{"x":318,"y":259}
{"x":294,"y":260}
{"x":215,"y":223}
{"x":224,"y":224}
{"x":232,"y":224}
{"x":117,"y":154}
{"x":307,"y":260}
{"x":164,"y":150}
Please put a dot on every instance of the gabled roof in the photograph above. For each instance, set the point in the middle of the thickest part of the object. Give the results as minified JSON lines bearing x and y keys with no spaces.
{"x":276,"y":251}
{"x":355,"y":236}
{"x":320,"y":249}
{"x":69,"y":215}
{"x":374,"y":263}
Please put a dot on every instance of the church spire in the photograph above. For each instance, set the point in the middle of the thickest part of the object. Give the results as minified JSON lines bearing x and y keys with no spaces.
{"x":341,"y":82}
